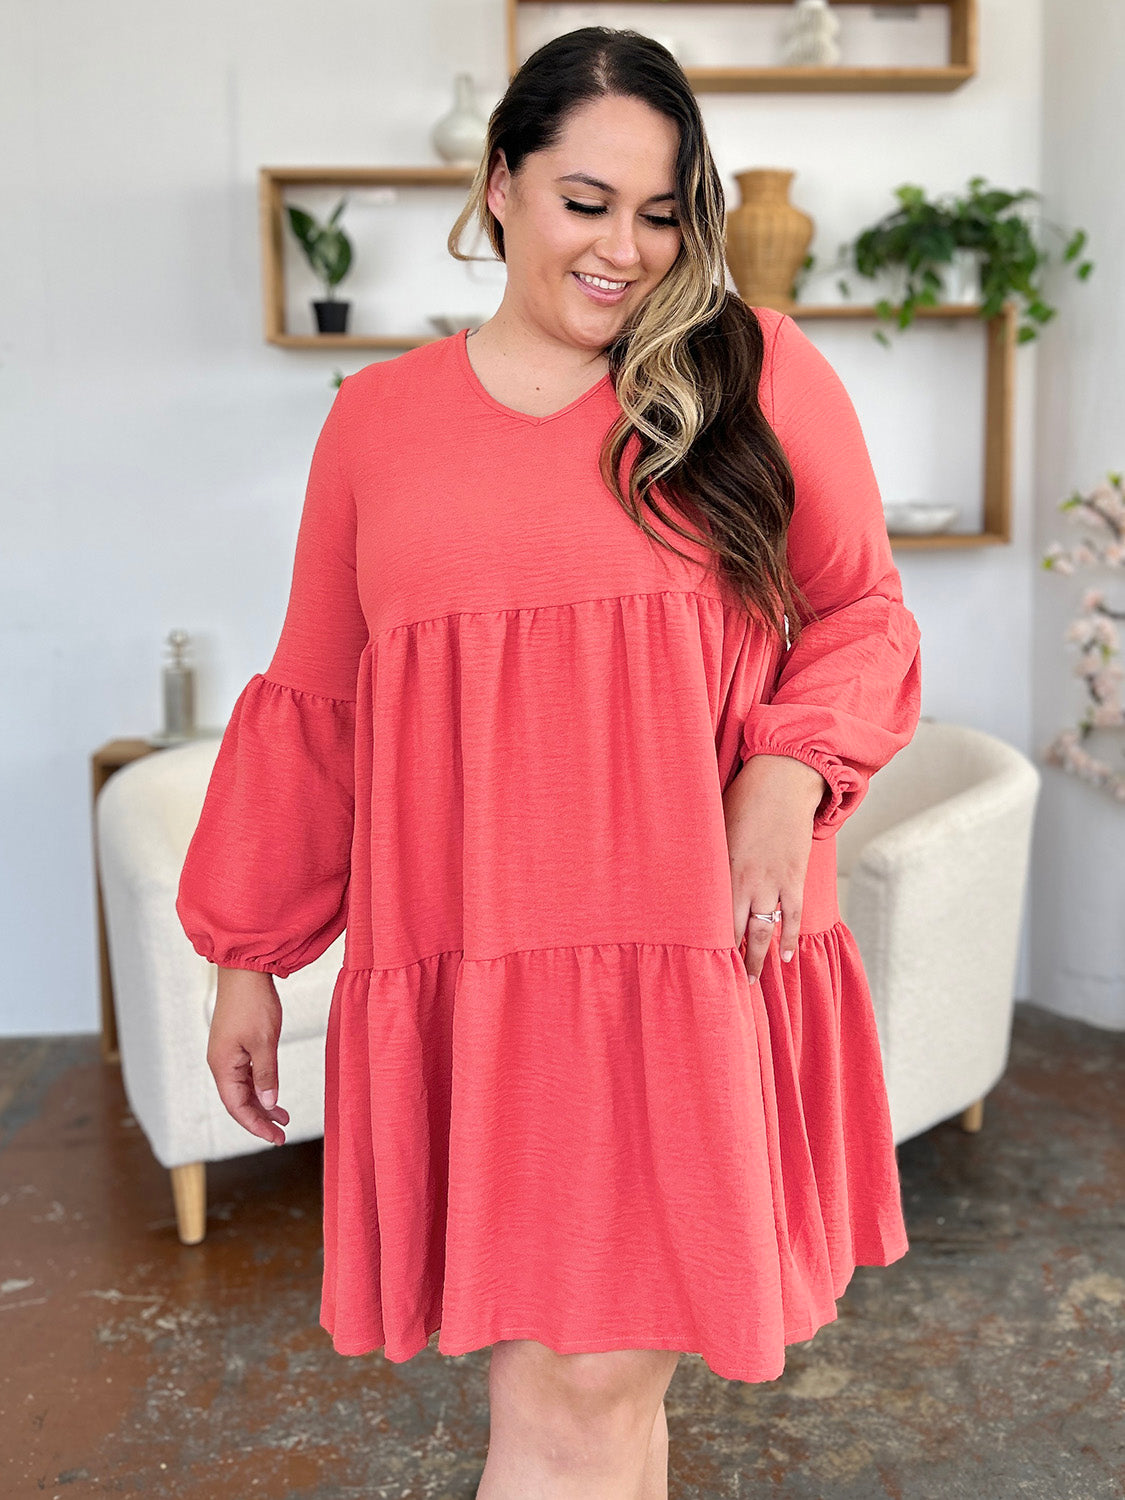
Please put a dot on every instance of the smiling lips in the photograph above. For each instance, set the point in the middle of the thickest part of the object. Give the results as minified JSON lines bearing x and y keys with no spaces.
{"x":601,"y":288}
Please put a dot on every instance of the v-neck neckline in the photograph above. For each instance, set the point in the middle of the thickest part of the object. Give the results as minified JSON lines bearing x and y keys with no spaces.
{"x":486,"y":396}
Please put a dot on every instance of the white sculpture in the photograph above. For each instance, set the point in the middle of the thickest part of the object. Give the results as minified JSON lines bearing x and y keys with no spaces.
{"x":810,"y":36}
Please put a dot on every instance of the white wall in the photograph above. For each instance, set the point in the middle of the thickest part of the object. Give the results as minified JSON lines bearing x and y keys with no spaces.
{"x":156,"y":448}
{"x":1078,"y":884}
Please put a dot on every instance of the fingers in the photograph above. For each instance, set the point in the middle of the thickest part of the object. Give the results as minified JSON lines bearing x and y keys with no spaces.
{"x":242,"y":1052}
{"x":790,"y":923}
{"x":245,"y":1081}
{"x":756,"y":936}
{"x":759,"y":936}
{"x":769,"y":840}
{"x":263,"y":1085}
{"x":263,"y":1063}
{"x":242,"y":1104}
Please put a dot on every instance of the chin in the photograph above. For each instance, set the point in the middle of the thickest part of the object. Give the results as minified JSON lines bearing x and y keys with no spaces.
{"x":597,"y":335}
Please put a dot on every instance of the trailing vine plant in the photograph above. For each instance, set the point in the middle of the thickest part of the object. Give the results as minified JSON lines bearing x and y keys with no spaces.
{"x":921,"y":236}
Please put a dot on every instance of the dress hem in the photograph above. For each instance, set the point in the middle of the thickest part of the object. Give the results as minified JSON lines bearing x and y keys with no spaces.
{"x":594,"y":1345}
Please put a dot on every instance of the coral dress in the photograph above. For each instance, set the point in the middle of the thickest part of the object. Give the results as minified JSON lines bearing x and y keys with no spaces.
{"x":492,"y":743}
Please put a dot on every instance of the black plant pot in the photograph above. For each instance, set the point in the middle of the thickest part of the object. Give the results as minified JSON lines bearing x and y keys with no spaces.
{"x":332,"y":316}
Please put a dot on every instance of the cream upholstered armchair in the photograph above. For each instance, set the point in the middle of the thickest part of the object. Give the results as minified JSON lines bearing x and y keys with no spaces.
{"x":932,"y":876}
{"x":932,"y":863}
{"x":164,"y":992}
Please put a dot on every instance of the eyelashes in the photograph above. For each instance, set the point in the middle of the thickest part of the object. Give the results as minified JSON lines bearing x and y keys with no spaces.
{"x":590,"y":210}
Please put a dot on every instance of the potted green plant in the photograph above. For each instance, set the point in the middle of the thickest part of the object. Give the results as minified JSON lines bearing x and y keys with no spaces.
{"x":329,"y":253}
{"x":924,"y":240}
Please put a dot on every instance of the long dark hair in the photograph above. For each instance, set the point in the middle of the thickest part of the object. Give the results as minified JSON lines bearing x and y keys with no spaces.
{"x":686,"y":368}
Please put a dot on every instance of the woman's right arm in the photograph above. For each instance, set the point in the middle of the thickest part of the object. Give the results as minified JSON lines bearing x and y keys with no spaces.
{"x":264,"y":886}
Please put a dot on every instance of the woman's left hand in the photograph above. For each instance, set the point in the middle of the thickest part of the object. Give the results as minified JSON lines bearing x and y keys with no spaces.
{"x":769,"y":808}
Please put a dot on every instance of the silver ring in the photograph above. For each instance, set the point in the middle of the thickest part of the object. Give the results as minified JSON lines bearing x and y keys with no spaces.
{"x":767,"y":916}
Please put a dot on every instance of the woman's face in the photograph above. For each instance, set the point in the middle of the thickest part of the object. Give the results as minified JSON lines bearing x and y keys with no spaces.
{"x":599,"y":204}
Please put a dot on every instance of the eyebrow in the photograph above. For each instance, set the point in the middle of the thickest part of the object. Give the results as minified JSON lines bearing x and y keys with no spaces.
{"x":605,"y":187}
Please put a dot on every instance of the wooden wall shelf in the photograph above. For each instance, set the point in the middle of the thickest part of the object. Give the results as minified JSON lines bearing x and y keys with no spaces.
{"x":960,"y":67}
{"x":999,"y":405}
{"x":272,"y":182}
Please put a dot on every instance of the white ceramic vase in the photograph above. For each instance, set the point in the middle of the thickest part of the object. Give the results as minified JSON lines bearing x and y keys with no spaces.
{"x":459,"y":137}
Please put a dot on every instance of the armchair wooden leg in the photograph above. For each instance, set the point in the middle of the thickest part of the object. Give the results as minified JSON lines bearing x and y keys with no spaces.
{"x":189,"y":1193}
{"x":973,"y":1118}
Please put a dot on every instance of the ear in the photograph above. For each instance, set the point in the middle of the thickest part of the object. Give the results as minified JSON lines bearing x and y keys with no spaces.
{"x":499,"y":183}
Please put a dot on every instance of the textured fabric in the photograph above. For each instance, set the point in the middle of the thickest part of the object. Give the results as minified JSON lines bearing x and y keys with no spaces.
{"x":493,"y":740}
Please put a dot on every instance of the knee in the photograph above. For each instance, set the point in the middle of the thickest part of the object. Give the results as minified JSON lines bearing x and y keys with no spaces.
{"x":619,"y":1389}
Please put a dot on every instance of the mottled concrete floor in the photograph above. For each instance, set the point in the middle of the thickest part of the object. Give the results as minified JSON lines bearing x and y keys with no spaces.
{"x":986,"y":1364}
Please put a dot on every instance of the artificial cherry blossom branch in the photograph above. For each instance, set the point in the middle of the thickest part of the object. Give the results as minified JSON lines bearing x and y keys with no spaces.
{"x":1093,"y":631}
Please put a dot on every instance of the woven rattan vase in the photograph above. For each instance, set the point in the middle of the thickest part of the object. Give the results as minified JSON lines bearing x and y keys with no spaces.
{"x":766,"y":239}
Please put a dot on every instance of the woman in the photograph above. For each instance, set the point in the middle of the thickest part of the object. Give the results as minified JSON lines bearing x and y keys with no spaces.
{"x":594,"y":640}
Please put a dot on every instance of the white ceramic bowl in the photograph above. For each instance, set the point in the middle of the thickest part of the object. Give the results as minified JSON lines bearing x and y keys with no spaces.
{"x":918,"y":517}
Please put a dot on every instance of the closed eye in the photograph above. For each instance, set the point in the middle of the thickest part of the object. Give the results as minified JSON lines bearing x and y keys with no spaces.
{"x":589,"y":208}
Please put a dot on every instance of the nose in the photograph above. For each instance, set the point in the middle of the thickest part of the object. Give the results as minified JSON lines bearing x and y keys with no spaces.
{"x":618,"y":245}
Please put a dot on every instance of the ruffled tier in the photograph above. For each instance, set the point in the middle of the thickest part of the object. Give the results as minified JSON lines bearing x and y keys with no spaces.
{"x":621,"y":1145}
{"x":550,"y":776}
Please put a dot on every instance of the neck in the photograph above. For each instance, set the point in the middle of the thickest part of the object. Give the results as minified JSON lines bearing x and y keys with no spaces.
{"x":551,"y":360}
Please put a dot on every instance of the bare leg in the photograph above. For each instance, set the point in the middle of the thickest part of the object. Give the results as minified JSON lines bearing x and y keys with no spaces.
{"x":654,"y":1485}
{"x":576,"y":1426}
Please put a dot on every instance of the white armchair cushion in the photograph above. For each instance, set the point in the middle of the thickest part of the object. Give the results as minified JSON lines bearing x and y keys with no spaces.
{"x":932,"y":880}
{"x":164,"y":992}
